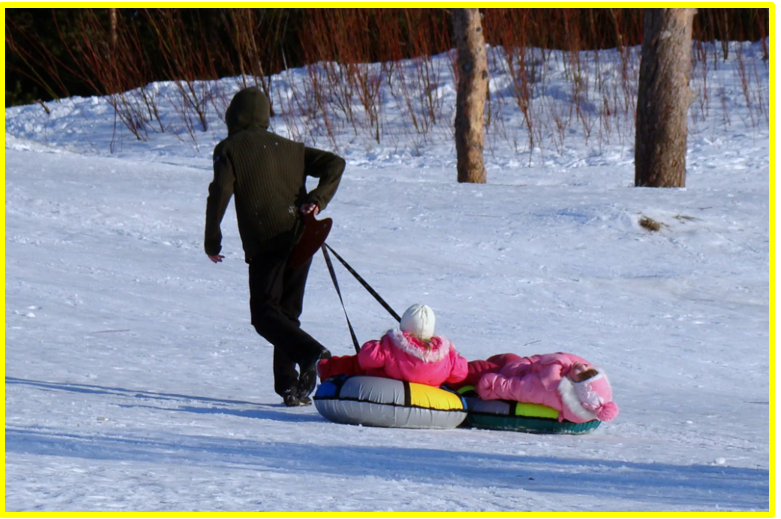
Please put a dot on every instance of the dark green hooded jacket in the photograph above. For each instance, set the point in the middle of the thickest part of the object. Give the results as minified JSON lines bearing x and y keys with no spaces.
{"x":267,"y":175}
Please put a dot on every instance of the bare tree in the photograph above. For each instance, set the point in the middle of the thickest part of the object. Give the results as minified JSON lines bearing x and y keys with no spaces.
{"x":663,"y":98}
{"x":112,"y":16}
{"x":472,"y":66}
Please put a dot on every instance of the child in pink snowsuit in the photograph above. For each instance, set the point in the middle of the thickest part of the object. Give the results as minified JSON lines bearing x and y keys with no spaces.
{"x":411,"y":352}
{"x":562,"y":381}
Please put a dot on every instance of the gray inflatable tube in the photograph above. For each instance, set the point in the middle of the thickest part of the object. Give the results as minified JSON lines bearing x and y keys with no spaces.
{"x":385,"y":402}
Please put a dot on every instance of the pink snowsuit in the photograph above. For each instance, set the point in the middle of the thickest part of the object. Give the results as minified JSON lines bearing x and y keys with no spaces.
{"x":542,"y":379}
{"x":403,"y":356}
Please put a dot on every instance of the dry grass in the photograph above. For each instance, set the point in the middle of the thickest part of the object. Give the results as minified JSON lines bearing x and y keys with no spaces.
{"x":650,"y":224}
{"x":350,"y":53}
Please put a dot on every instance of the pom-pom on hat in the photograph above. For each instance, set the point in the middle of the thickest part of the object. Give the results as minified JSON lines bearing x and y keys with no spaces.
{"x":607,"y":411}
{"x":419,"y":321}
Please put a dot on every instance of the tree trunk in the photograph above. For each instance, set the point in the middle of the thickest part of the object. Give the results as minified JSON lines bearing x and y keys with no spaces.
{"x":470,"y":99}
{"x":663,"y":98}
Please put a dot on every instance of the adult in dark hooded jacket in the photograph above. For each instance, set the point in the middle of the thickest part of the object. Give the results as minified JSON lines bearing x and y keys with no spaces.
{"x":266,"y":174}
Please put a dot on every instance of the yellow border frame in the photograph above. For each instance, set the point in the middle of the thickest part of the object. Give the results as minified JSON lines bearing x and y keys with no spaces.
{"x":771,"y":396}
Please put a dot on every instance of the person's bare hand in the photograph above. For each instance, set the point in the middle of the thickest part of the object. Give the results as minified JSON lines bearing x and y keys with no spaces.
{"x":217,"y":258}
{"x":310,"y":208}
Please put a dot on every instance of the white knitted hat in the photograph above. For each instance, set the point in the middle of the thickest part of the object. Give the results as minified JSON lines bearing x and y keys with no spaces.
{"x":419,"y":321}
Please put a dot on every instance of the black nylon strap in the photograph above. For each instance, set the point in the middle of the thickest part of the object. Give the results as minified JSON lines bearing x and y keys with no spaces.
{"x":336,"y":285}
{"x":360,"y":280}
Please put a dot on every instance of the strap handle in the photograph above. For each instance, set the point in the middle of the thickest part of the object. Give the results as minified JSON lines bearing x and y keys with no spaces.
{"x":365,"y":285}
{"x":336,"y":285}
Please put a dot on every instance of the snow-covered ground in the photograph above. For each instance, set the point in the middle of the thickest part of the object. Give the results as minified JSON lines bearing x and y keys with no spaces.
{"x":134,"y":381}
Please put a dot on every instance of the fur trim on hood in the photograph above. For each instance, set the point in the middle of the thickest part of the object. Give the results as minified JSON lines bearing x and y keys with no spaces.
{"x":434,"y":351}
{"x":569,"y":397}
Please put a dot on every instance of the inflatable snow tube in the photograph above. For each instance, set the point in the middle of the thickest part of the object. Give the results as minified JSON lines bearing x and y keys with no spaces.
{"x":385,"y":402}
{"x":508,"y":415}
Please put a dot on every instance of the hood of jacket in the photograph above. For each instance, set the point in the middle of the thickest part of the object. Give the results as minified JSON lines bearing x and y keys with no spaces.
{"x":436,"y":349}
{"x":249,"y":109}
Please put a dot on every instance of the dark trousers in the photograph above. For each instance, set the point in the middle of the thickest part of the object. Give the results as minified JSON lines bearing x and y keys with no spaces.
{"x":276,"y":302}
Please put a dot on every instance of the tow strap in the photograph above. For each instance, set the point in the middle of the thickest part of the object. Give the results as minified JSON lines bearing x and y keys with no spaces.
{"x":366,"y":285}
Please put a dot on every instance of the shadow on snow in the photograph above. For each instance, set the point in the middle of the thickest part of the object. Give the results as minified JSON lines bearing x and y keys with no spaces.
{"x":212,"y":405}
{"x":663,"y":483}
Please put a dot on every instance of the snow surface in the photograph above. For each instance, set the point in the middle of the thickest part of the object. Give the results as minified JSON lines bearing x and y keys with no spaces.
{"x":134,"y":381}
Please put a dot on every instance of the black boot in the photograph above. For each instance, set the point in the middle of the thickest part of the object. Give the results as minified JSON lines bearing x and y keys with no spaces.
{"x":308,"y":378}
{"x":290,"y":398}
